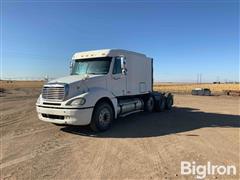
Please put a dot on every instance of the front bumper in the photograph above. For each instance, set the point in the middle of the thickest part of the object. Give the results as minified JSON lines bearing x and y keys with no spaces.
{"x":72,"y":116}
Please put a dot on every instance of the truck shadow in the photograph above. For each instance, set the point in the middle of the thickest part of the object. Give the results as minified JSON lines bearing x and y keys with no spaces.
{"x":159,"y":124}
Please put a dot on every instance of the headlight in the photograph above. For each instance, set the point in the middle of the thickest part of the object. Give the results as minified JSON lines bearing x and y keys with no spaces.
{"x":77,"y":102}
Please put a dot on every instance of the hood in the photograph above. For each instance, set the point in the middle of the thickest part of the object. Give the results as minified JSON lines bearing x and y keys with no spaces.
{"x":81,"y":83}
{"x":73,"y":78}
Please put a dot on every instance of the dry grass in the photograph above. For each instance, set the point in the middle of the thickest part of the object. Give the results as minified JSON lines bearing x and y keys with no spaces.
{"x":20,"y":84}
{"x":186,"y":88}
{"x":171,"y":87}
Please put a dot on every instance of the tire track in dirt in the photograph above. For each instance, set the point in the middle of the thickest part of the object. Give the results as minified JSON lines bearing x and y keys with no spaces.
{"x":95,"y":160}
{"x":28,"y":132}
{"x":45,"y":147}
{"x":158,"y":163}
{"x":123,"y":157}
{"x":14,"y":117}
{"x":16,"y":161}
{"x":49,"y":146}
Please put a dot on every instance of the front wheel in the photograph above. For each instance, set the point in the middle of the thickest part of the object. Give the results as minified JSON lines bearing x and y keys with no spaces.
{"x":102,"y":117}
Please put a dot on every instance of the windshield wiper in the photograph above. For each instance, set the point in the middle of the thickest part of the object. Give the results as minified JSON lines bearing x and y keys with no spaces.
{"x":92,"y":73}
{"x":95,"y":73}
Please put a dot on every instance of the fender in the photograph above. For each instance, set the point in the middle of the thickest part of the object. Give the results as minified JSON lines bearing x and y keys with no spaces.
{"x":94,"y":94}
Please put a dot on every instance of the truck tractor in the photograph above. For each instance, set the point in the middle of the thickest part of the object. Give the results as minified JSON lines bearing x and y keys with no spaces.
{"x":103,"y":85}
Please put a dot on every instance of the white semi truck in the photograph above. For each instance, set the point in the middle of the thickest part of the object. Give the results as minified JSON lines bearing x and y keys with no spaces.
{"x":103,"y":85}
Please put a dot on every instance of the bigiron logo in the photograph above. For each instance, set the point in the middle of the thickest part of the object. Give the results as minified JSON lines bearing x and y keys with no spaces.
{"x":201,"y":171}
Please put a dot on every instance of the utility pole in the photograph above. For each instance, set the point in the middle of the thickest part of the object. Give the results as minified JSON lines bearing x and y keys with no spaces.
{"x":199,"y":78}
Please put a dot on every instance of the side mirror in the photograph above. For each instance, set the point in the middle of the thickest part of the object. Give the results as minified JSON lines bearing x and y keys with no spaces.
{"x":123,"y":65}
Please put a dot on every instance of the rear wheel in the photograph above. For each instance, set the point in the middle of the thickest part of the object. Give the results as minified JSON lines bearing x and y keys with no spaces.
{"x":149,"y":104}
{"x":169,"y":101}
{"x":102,"y":117}
{"x":161,"y":103}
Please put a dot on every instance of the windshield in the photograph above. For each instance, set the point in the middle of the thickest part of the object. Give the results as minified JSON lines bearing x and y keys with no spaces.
{"x":91,"y":66}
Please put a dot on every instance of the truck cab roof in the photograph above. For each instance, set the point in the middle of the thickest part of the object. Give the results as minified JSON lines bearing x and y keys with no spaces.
{"x":105,"y":53}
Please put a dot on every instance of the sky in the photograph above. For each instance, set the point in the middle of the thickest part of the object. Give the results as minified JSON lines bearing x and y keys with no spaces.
{"x":185,"y":38}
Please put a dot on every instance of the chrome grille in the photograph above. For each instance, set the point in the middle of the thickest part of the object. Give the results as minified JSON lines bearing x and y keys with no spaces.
{"x":54,"y":92}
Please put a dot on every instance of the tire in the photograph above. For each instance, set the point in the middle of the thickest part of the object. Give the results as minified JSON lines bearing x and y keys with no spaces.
{"x":161,"y":104}
{"x":149,"y":104}
{"x":102,"y":117}
{"x":169,"y":101}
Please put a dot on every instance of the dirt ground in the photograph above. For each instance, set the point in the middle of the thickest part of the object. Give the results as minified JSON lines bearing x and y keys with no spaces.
{"x":140,"y":146}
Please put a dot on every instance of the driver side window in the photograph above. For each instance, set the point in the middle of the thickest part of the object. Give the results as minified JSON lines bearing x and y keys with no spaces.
{"x":117,"y":66}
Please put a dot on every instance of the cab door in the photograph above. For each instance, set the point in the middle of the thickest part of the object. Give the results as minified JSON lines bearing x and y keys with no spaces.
{"x":118,"y":78}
